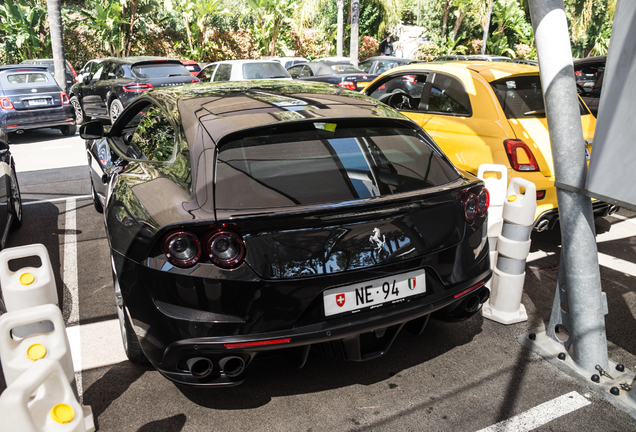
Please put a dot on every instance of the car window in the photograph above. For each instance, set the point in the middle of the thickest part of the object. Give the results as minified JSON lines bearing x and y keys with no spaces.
{"x":109,"y":72}
{"x":325,"y":162}
{"x":393,"y":90}
{"x":366,"y":66}
{"x":153,"y":138}
{"x":119,"y":72}
{"x":295,"y":71}
{"x":223,"y":72}
{"x":384,"y":66}
{"x":97,"y":73}
{"x":448,"y":96}
{"x":264,"y":71}
{"x":207,"y":72}
{"x":24,"y":78}
{"x":160,"y":70}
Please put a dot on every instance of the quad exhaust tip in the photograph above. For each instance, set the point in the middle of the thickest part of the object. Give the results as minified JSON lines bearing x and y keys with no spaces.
{"x":232,"y":366}
{"x":200,"y":366}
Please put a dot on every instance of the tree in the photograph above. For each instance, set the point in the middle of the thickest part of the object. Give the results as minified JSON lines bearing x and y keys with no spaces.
{"x":22,"y":29}
{"x":340,"y":33}
{"x":355,"y":21}
{"x":270,"y":17}
{"x":57,"y":43}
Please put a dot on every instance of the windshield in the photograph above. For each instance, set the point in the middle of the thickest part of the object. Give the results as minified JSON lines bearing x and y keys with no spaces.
{"x":264,"y":71}
{"x":521,"y":97}
{"x":325,"y":162}
{"x":160,"y":70}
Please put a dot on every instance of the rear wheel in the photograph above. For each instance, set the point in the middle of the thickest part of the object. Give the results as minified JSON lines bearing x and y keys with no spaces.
{"x":68,"y":130}
{"x":80,"y":116}
{"x":132,"y":347}
{"x":115,"y":110}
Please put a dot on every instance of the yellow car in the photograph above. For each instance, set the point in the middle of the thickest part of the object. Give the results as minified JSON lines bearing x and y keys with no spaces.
{"x":484,"y":113}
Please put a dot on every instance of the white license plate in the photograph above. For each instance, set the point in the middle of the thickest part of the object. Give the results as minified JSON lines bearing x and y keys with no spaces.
{"x":37,"y":102}
{"x":374,"y":293}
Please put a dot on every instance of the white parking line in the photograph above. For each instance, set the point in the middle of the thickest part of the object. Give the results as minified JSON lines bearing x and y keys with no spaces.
{"x":76,"y":197}
{"x":70,"y":301}
{"x":541,"y":414}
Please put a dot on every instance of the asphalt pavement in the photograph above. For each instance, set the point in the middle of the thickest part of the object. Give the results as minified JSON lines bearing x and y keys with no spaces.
{"x":467,"y":376}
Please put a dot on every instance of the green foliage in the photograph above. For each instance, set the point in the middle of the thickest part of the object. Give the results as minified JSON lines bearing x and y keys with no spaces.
{"x":311,"y":44}
{"x":22,"y":32}
{"x":367,"y":47}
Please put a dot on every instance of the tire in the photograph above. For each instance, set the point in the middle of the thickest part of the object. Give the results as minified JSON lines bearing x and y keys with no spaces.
{"x":15,"y":201}
{"x":115,"y":110}
{"x":80,"y":115}
{"x":96,"y":202}
{"x":132,"y":347}
{"x":69,"y":130}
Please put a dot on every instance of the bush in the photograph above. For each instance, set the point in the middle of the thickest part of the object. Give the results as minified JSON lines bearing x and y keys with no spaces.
{"x":427,"y":51}
{"x":311,"y":44}
{"x":368,"y":47}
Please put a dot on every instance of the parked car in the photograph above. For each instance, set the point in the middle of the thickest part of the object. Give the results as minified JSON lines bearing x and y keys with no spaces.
{"x":192,"y":66}
{"x":381,"y":64}
{"x":485,"y":113}
{"x":88,"y":68}
{"x":262,"y":217}
{"x":340,"y":73}
{"x":589,"y":74}
{"x":474,"y":57}
{"x":10,"y":200}
{"x":31,"y":99}
{"x":115,"y":82}
{"x":240,"y":70}
{"x":50,"y":66}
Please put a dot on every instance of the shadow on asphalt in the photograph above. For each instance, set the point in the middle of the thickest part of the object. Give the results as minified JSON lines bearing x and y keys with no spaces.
{"x":35,"y":135}
{"x":272,"y":377}
{"x":170,"y":424}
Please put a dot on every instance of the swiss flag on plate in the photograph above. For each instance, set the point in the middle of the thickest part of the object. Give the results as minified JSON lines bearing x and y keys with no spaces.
{"x":340,"y":300}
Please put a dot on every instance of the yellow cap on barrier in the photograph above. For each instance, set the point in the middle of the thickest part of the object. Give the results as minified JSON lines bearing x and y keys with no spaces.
{"x":27,"y":279}
{"x":512,"y":198}
{"x":36,"y":352}
{"x":62,"y":413}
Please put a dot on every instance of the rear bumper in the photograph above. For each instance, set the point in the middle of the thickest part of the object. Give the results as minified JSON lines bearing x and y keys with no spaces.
{"x":547,"y":220}
{"x":15,"y":120}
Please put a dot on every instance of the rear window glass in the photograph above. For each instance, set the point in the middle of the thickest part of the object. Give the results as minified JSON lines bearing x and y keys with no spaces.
{"x":26,"y":78}
{"x":192,"y":68}
{"x":160,"y":70}
{"x":325,"y":163}
{"x":521,"y":97}
{"x":264,"y":71}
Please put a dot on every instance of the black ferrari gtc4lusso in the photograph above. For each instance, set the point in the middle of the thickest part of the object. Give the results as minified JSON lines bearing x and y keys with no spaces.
{"x":257,"y":217}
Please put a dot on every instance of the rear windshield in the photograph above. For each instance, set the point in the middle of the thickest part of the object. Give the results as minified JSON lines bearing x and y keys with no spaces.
{"x":521,"y":97}
{"x":192,"y":68}
{"x":325,"y":163}
{"x":160,"y":70}
{"x":27,"y":78}
{"x":264,"y":71}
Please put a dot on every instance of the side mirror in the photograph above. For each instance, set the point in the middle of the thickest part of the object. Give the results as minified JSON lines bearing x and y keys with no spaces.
{"x":92,"y":130}
{"x":86,"y":79}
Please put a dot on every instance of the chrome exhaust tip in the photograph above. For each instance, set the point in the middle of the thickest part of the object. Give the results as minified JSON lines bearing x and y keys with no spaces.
{"x":199,"y":366}
{"x":232,"y":366}
{"x":542,"y":225}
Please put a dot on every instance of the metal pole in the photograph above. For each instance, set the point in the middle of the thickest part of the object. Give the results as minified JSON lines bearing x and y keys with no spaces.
{"x":355,"y":22}
{"x":581,"y":278}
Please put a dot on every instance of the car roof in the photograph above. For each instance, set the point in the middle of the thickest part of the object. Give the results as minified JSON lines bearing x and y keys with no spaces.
{"x":245,"y":61}
{"x":590,"y":61}
{"x":229,"y":106}
{"x":490,"y":71}
{"x":140,"y":59}
{"x":392,"y":58}
{"x":22,"y":66}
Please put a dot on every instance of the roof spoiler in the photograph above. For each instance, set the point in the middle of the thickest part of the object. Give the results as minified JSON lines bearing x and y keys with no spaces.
{"x":151,"y":62}
{"x":22,"y":66}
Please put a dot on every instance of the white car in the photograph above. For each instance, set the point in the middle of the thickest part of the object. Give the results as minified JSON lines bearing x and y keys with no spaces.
{"x":240,"y":70}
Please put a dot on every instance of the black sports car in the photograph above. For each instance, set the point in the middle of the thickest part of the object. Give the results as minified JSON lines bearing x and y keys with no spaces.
{"x":31,"y":99}
{"x":255,"y":217}
{"x":114,"y":82}
{"x":343,"y":74}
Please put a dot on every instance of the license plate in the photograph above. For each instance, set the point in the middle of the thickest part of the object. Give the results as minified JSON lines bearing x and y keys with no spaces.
{"x":372,"y":294}
{"x":38,"y":102}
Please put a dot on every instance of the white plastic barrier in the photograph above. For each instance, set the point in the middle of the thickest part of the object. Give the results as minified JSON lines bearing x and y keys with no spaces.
{"x":42,"y":401}
{"x":513,"y":246}
{"x":29,"y":286}
{"x":17,"y":355}
{"x":497,"y":189}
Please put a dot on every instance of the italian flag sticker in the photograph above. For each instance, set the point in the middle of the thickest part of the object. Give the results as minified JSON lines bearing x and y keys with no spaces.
{"x":412,"y":283}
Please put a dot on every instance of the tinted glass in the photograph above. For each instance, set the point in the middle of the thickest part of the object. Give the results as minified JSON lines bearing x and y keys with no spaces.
{"x":25,"y":78}
{"x":410,"y":84}
{"x":448,"y":96}
{"x":206,"y":73}
{"x":366,"y":66}
{"x":97,"y":73}
{"x":295,"y":71}
{"x":264,"y":71}
{"x":160,"y":70}
{"x":192,"y":68}
{"x":522,"y":97}
{"x":322,"y":163}
{"x":154,"y":137}
{"x":223,"y":72}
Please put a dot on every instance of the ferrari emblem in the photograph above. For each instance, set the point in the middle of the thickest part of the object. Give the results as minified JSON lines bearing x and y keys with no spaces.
{"x":376,"y":241}
{"x":340,"y":300}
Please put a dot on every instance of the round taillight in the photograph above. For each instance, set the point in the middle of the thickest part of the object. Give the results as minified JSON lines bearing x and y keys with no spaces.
{"x":182,"y":248}
{"x":469,"y":206}
{"x":226,"y":249}
{"x":483,"y":202}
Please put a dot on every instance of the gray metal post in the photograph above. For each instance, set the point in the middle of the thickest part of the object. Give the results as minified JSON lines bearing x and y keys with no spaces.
{"x":355,"y":23}
{"x":581,"y":278}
